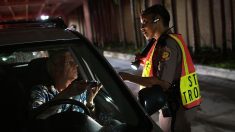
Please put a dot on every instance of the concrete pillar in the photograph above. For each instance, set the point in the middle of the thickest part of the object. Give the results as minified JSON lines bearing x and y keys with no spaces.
{"x":121,"y":30}
{"x":218,"y":24}
{"x":228,"y":24}
{"x":88,"y":32}
{"x":232,"y":6}
{"x":168,"y":5}
{"x":190,"y":32}
{"x":212,"y":23}
{"x":196,"y":29}
{"x":153,"y":2}
{"x":128,"y":22}
{"x":223,"y":18}
{"x":181,"y":18}
{"x":204,"y":23}
{"x":133,"y":11}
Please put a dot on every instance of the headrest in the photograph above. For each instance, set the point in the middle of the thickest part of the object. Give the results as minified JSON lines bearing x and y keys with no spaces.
{"x":38,"y":61}
{"x":38,"y":73}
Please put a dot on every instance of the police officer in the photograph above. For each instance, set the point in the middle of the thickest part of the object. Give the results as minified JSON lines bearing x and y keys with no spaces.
{"x":162,"y":66}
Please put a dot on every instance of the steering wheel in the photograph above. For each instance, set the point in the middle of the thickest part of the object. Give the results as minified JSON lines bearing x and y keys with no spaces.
{"x":49,"y":104}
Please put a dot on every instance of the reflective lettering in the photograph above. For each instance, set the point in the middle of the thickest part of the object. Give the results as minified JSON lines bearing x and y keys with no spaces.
{"x":189,"y":79}
{"x":190,"y":95}
{"x":195,"y":80}
{"x":195,"y":92}
{"x":185,"y":97}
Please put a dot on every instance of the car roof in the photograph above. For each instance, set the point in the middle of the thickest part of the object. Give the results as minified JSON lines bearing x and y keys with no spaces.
{"x":33,"y":31}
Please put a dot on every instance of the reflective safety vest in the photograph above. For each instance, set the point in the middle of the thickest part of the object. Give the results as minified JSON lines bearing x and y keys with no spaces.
{"x":147,"y":70}
{"x":189,"y":87}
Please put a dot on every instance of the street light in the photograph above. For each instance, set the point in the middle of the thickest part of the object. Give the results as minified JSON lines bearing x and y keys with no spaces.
{"x":44,"y":17}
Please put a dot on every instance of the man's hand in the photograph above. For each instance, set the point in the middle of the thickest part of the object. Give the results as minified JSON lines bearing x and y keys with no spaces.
{"x":92,"y":92}
{"x":140,"y":58}
{"x":76,"y":88}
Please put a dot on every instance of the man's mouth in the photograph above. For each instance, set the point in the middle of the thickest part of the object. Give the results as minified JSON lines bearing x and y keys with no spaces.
{"x":145,"y":33}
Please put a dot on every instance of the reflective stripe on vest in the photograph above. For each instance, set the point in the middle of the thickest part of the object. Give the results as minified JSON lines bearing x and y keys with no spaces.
{"x":189,"y":87}
{"x":147,"y":70}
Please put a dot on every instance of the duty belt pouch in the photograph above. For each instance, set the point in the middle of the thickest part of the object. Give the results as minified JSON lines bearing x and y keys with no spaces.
{"x":166,"y":110}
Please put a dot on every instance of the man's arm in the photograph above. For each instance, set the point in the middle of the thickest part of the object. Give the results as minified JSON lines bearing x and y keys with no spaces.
{"x":76,"y":88}
{"x":39,"y":96}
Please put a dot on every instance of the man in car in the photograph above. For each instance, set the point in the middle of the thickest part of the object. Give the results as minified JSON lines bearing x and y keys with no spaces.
{"x":62,"y":68}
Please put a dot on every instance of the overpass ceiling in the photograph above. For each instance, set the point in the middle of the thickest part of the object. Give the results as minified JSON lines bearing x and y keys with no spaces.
{"x":32,"y":9}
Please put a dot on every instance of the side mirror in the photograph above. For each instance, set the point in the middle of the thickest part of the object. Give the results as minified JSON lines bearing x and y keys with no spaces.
{"x":152,"y":98}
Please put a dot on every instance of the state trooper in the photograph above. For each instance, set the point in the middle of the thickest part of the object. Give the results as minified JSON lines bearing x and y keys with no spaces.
{"x":166,"y":62}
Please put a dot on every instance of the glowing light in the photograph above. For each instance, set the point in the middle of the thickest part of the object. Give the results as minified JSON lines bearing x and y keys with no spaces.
{"x":108,"y":99}
{"x":44,"y":17}
{"x":4,"y":58}
{"x":134,"y":67}
{"x":34,"y":53}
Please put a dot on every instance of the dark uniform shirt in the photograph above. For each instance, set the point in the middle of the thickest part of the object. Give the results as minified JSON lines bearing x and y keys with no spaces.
{"x":167,"y":65}
{"x":41,"y":94}
{"x":167,"y":60}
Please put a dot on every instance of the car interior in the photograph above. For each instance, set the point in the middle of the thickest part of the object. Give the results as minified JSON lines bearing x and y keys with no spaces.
{"x":18,"y":78}
{"x":22,"y":68}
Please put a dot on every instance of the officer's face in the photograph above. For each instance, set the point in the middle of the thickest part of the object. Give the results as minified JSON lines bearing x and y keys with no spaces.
{"x":148,"y":27}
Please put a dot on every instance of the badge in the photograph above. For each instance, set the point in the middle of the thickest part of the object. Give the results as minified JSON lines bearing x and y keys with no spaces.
{"x":166,"y":54}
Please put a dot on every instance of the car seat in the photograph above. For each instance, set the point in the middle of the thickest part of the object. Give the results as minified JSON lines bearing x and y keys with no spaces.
{"x":38,"y":73}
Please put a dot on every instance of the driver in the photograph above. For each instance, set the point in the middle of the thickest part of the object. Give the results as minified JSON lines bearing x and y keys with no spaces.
{"x":62,"y":68}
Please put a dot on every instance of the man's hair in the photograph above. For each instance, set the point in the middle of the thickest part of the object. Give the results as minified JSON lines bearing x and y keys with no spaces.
{"x":156,"y":10}
{"x":55,"y":60}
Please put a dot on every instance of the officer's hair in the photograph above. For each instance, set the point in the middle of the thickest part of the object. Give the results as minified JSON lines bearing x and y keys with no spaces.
{"x":156,"y":10}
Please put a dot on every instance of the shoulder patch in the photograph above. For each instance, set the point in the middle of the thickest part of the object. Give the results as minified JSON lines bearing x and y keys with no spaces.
{"x":166,"y":53}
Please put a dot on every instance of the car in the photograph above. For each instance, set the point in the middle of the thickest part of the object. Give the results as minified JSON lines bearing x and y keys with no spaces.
{"x":25,"y":47}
